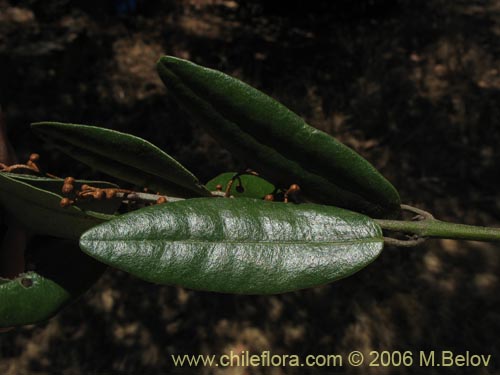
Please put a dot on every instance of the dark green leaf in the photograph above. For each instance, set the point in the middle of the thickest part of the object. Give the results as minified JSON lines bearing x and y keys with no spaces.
{"x":276,"y":142}
{"x":40,"y":211}
{"x":54,"y":185}
{"x":247,"y":186}
{"x":123,"y":156}
{"x":241,"y":245}
{"x":23,"y":305}
{"x":62,"y":273}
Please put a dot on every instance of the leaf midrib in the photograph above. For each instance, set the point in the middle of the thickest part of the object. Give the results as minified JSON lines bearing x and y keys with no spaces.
{"x":357,"y":241}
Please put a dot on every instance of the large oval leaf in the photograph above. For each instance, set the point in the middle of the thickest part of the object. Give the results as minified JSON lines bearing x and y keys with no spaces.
{"x":40,"y":211}
{"x":54,"y":185}
{"x":245,"y":185}
{"x":62,"y":274}
{"x":276,"y":142}
{"x":123,"y":156}
{"x":241,"y":245}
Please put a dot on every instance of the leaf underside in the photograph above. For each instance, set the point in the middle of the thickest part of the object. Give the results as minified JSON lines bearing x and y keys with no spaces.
{"x":40,"y":211}
{"x":276,"y":142}
{"x":54,"y":185}
{"x":242,"y":246}
{"x":123,"y":156}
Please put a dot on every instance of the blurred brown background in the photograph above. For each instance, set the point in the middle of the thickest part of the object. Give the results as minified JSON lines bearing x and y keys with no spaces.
{"x":414,"y":86}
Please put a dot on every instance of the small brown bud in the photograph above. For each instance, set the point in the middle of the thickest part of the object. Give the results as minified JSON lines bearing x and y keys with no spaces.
{"x":85,"y":187}
{"x":34,"y":157}
{"x":65,"y":202}
{"x":294,"y":189}
{"x":218,"y":187}
{"x":161,"y":200}
{"x":69,"y":180}
{"x":269,"y":197}
{"x":110,"y":193}
{"x":99,"y":194}
{"x":31,"y":163}
{"x":67,"y":188}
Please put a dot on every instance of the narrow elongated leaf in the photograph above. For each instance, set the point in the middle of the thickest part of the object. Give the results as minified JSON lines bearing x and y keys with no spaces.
{"x":62,"y":274}
{"x":247,"y":186}
{"x":54,"y":185}
{"x":123,"y":156}
{"x":40,"y":211}
{"x":241,"y":245}
{"x":275,"y":141}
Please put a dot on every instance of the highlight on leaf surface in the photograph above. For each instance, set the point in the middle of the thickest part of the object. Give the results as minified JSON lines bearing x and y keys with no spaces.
{"x":275,"y":141}
{"x":40,"y":210}
{"x":62,"y":274}
{"x":123,"y":156}
{"x":243,"y":246}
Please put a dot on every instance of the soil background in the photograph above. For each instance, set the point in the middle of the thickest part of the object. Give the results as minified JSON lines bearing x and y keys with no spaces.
{"x":413,"y":86}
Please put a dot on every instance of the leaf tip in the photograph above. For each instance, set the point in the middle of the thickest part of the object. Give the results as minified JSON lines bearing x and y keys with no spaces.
{"x":44,"y":127}
{"x":37,"y":125}
{"x":168,"y":60}
{"x":86,"y":240}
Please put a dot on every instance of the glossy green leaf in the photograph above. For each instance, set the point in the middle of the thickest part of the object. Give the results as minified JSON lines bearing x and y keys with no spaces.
{"x":54,"y":185}
{"x":244,"y":246}
{"x":246,"y":185}
{"x":276,"y":142}
{"x":40,"y":211}
{"x":123,"y":156}
{"x":62,"y":274}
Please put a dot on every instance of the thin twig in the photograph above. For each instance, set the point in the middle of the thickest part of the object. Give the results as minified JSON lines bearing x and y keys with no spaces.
{"x":424,"y":214}
{"x":144,"y":197}
{"x":404,"y":243}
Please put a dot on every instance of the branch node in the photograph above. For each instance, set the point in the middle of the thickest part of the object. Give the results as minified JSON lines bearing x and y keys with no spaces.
{"x":421,"y":214}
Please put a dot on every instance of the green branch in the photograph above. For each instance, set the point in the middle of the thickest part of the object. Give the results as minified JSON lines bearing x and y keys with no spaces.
{"x":441,"y":229}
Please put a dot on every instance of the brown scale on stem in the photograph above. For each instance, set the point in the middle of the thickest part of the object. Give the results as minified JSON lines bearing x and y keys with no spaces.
{"x":161,"y":200}
{"x":292,"y":193}
{"x":30,"y":165}
{"x":66,"y":202}
{"x":32,"y":162}
{"x":67,"y":188}
{"x":110,"y":193}
{"x":128,"y":197}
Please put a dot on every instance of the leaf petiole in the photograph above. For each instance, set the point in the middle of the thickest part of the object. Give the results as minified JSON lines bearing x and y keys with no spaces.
{"x":429,"y":227}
